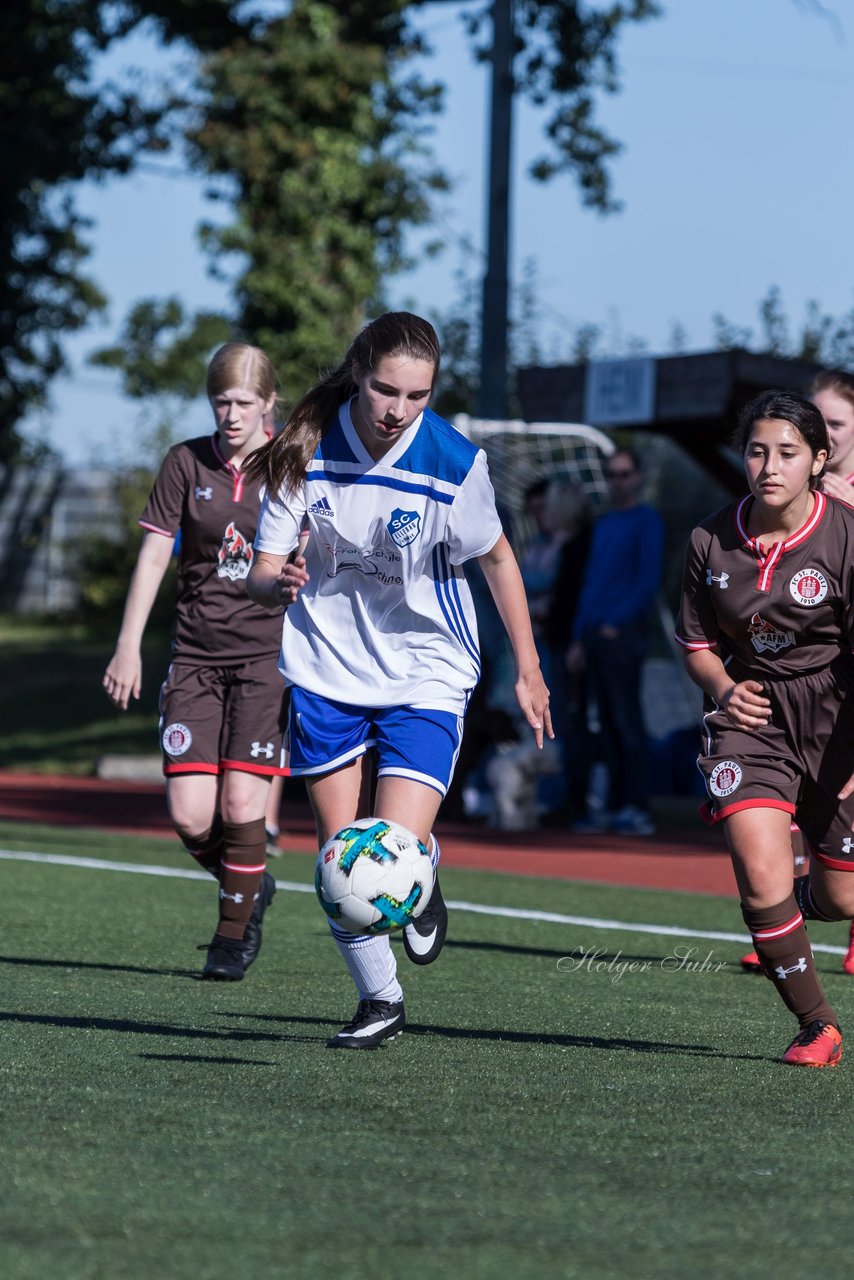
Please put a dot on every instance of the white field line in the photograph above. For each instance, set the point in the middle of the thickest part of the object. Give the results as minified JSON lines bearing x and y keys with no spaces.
{"x":475,"y":908}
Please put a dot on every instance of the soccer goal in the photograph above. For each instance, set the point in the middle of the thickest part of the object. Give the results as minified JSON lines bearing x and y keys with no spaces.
{"x":520,"y":453}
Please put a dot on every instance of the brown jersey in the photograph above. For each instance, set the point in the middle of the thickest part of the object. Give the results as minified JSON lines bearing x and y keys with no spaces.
{"x":782,"y":610}
{"x":198,"y":492}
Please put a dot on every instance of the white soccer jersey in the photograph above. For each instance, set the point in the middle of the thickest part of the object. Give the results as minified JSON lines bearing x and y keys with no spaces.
{"x":387,"y":617}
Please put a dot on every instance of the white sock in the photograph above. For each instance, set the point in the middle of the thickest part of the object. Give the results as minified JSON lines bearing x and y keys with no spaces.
{"x":371,"y":963}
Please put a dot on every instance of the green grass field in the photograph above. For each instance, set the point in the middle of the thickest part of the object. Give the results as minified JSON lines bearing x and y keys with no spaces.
{"x":541,"y":1116}
{"x":55,"y":715}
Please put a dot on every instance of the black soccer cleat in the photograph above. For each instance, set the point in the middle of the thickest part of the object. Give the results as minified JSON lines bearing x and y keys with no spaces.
{"x":225,"y":960}
{"x":252,"y":935}
{"x":425,"y":937}
{"x":374,"y":1022}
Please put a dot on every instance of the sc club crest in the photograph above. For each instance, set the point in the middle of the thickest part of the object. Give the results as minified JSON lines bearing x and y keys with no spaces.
{"x":726,"y":776}
{"x":809,"y":587}
{"x":404,"y":526}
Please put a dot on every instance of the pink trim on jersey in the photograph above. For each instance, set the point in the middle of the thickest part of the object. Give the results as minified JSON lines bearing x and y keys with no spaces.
{"x":769,"y":560}
{"x":779,"y":931}
{"x":243,"y":871}
{"x":695,"y":644}
{"x":235,"y":472}
{"x":154,"y":528}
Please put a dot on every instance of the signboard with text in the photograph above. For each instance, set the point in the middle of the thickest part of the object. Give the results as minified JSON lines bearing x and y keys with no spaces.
{"x":620,"y":391}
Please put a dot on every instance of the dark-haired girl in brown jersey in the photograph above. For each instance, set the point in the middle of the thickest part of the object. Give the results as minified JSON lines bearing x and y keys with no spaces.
{"x":767,"y":623}
{"x":221,"y":704}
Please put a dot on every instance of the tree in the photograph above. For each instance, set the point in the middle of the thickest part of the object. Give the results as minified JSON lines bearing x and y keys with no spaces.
{"x":57,"y":129}
{"x":822,"y":338}
{"x":309,"y":120}
{"x":311,"y":125}
{"x":566,"y":55}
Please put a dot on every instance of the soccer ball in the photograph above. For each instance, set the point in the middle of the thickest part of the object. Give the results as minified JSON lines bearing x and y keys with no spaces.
{"x":373,"y":876}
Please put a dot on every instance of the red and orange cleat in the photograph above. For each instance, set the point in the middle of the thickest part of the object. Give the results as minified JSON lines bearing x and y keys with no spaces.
{"x":751,"y":963}
{"x":817,"y":1045}
{"x":848,"y":960}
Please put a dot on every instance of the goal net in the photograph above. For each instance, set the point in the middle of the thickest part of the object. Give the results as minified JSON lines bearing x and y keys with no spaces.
{"x":521,"y":453}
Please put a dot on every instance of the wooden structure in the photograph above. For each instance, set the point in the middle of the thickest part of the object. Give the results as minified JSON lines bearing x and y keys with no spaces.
{"x":693,"y":399}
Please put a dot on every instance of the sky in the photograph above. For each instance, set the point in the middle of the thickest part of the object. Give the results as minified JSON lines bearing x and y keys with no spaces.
{"x":736,"y":175}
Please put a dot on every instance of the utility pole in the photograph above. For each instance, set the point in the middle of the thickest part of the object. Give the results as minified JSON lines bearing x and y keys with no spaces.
{"x":492,"y":399}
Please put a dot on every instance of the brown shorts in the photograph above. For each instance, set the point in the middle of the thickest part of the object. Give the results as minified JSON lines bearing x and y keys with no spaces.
{"x":798,"y":762}
{"x":218,"y":718}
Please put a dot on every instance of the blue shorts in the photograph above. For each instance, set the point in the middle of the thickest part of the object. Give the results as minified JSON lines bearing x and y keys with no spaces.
{"x":410,"y":742}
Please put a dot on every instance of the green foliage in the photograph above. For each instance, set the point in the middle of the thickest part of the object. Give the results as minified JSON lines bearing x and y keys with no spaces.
{"x":57,"y":129}
{"x":566,"y":56}
{"x":310,"y":122}
{"x":161,"y":351}
{"x":822,"y":338}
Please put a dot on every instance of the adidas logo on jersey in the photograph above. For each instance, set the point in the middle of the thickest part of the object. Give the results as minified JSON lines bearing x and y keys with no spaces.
{"x":321,"y":508}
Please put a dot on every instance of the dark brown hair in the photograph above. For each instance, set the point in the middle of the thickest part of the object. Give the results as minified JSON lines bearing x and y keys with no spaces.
{"x":785,"y":406}
{"x":283,"y":462}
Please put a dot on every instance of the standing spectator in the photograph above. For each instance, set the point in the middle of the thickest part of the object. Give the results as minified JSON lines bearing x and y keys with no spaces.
{"x":610,"y":635}
{"x":221,"y":704}
{"x":380,"y":640}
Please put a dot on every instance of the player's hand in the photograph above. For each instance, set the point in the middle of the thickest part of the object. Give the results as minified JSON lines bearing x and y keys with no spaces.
{"x":846,"y":791}
{"x":291,"y":580}
{"x":293,"y":575}
{"x":837,"y":487}
{"x":123,"y":680}
{"x":745,"y":705}
{"x":533,"y":698}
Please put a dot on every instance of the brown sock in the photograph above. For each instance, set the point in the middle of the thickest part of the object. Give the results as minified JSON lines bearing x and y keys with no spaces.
{"x":782,"y":945}
{"x":207,"y":849}
{"x":243,"y":862}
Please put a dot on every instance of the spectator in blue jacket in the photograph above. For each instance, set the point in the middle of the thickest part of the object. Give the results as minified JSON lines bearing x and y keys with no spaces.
{"x":610,"y":636}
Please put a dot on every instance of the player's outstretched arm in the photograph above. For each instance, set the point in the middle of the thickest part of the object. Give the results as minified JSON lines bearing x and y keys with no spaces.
{"x":505,"y":582}
{"x":123,"y":677}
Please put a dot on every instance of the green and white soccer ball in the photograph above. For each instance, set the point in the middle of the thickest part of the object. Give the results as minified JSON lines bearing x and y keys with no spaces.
{"x":373,"y":876}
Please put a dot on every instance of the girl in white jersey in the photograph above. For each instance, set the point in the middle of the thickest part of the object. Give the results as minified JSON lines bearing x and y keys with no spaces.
{"x":379,"y":642}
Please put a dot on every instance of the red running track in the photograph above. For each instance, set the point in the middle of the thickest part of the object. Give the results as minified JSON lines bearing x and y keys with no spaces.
{"x":683,"y":855}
